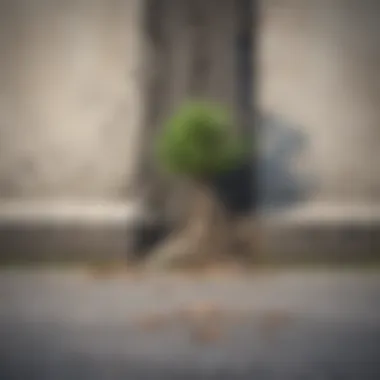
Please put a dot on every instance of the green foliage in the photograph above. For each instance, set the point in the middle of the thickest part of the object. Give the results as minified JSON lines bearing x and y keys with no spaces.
{"x":198,"y":141}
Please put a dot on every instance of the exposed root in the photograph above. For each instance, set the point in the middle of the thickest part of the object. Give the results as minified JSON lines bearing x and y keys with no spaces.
{"x":211,"y":236}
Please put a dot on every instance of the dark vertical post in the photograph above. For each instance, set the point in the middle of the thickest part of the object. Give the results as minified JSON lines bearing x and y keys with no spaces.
{"x":246,"y":12}
{"x":245,"y":45}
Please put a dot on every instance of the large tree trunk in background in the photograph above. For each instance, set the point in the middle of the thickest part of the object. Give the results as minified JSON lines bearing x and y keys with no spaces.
{"x":193,"y":53}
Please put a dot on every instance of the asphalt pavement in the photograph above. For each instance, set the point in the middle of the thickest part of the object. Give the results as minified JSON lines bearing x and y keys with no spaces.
{"x":74,"y":325}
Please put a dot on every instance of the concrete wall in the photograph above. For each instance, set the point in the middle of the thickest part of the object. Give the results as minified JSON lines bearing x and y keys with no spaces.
{"x":319,"y":82}
{"x":69,"y":98}
{"x":320,"y":76}
{"x":69,"y":94}
{"x":72,"y":106}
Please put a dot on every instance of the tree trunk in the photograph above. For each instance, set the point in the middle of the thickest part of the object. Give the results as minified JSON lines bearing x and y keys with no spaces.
{"x":209,"y":235}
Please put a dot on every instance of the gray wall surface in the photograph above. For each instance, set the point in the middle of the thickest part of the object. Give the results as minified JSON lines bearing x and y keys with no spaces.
{"x":319,"y":77}
{"x":71,"y":103}
{"x":84,"y":86}
{"x":69,"y":97}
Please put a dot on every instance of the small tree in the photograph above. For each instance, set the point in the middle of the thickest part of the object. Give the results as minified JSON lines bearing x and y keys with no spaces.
{"x":199,"y":143}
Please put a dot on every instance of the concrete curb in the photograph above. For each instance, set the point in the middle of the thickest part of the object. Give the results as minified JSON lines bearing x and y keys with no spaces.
{"x":93,"y":231}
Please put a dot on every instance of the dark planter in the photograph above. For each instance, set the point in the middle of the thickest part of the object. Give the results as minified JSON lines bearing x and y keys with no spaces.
{"x":236,"y":190}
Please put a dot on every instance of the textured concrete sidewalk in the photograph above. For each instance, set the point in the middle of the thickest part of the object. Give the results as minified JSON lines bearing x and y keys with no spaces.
{"x":72,"y":325}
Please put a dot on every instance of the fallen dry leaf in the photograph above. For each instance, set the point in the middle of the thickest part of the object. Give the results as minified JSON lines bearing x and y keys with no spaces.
{"x":200,"y":312}
{"x":153,"y":322}
{"x":206,"y":333}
